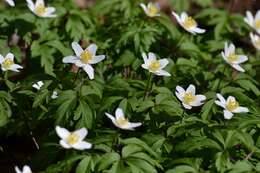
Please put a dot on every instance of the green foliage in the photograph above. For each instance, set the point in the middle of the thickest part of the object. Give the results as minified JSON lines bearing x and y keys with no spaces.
{"x":171,"y":139}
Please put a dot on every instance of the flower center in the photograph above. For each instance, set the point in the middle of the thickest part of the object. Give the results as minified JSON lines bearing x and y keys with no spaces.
{"x":188,"y":98}
{"x":232,"y":58}
{"x":257,"y":24}
{"x":153,"y":10}
{"x":232,"y":105}
{"x":7,"y":63}
{"x":155,"y":65}
{"x":72,"y":138}
{"x":122,"y":121}
{"x":189,"y":22}
{"x":85,"y":56}
{"x":40,"y":9}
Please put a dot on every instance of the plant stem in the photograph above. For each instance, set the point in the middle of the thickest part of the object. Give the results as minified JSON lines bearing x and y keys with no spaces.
{"x":147,"y":86}
{"x":76,"y":76}
{"x":249,"y":155}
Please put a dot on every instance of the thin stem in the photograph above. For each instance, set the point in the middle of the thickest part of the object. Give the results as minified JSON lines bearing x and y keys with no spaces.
{"x":249,"y":155}
{"x":76,"y":76}
{"x":147,"y":86}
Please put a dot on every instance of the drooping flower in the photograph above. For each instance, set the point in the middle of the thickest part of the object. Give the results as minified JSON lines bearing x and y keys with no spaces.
{"x":73,"y":139}
{"x":230,"y":106}
{"x":188,"y":97}
{"x":255,"y":39}
{"x":7,"y":63}
{"x":84,"y":58}
{"x":40,"y":9}
{"x":26,"y":169}
{"x":155,"y":66}
{"x":152,"y":9}
{"x":188,"y":23}
{"x":252,"y":21}
{"x":121,"y":121}
{"x":54,"y":95}
{"x":230,"y":56}
{"x":10,"y":2}
{"x":38,"y":85}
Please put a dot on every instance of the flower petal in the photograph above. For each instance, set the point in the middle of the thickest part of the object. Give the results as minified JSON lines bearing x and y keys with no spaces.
{"x":134,"y":125}
{"x":50,"y":10}
{"x":242,"y":58}
{"x":191,"y":89}
{"x":143,"y":6}
{"x":119,"y":113}
{"x":30,"y":5}
{"x":186,"y":106}
{"x":249,"y":19}
{"x":89,"y":70}
{"x":220,"y":104}
{"x":163,"y":63}
{"x":145,"y":66}
{"x":238,"y":67}
{"x":77,"y":48}
{"x":82,"y":145}
{"x":62,"y":132}
{"x":241,"y":109}
{"x":92,"y":49}
{"x":221,"y":98}
{"x":112,"y":118}
{"x":177,"y":17}
{"x":64,"y":144}
{"x":17,"y":170}
{"x":82,"y":133}
{"x":10,"y":2}
{"x":151,"y":56}
{"x":69,"y":59}
{"x":97,"y":59}
{"x":227,"y":114}
{"x":39,"y":2}
{"x":145,"y":58}
{"x":199,"y":30}
{"x":180,"y":91}
{"x":26,"y":169}
{"x":162,"y":73}
{"x":10,"y":56}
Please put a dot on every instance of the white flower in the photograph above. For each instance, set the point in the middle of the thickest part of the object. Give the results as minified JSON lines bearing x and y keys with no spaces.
{"x":155,"y":66}
{"x":232,"y":58}
{"x":255,"y":39}
{"x":252,"y":21}
{"x":188,"y":97}
{"x":54,"y":95}
{"x":188,"y":23}
{"x":26,"y":169}
{"x":152,"y":9}
{"x":84,"y":58}
{"x":121,"y":122}
{"x":10,"y":2}
{"x":38,"y":85}
{"x":230,"y":106}
{"x":40,"y":9}
{"x":7,"y":63}
{"x":73,"y":139}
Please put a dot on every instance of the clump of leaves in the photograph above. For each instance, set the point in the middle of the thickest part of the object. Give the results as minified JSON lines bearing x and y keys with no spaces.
{"x":171,"y":139}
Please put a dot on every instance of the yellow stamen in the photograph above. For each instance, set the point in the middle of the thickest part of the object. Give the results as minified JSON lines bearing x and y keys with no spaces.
{"x":188,"y":98}
{"x":232,"y":105}
{"x":189,"y":23}
{"x":153,"y":10}
{"x":40,"y":9}
{"x":86,"y":56}
{"x":155,"y":65}
{"x":232,"y":58}
{"x":72,"y":139}
{"x":257,"y":24}
{"x":7,"y":63}
{"x":122,"y":121}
